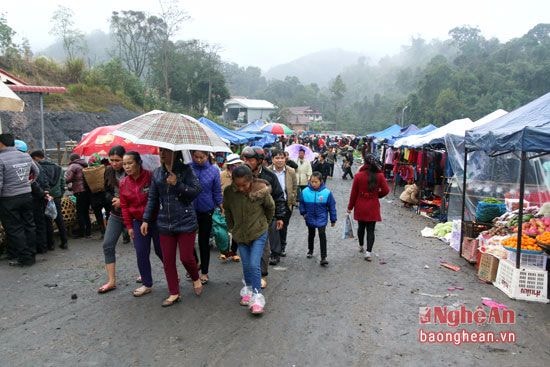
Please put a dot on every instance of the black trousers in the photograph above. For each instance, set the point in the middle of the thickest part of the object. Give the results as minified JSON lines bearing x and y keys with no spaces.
{"x":98,"y":202}
{"x":283,"y":231}
{"x":369,"y":226}
{"x":331,"y":165}
{"x":322,"y":238}
{"x":205,"y":228}
{"x":83,"y":213}
{"x":347,"y":171}
{"x":38,"y":207}
{"x":60,"y":225}
{"x":16,"y":213}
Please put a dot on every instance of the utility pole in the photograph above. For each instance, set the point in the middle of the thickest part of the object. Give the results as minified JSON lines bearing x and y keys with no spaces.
{"x":403,"y":115}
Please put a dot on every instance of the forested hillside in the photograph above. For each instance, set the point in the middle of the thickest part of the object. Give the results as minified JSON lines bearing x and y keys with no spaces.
{"x":432,"y":81}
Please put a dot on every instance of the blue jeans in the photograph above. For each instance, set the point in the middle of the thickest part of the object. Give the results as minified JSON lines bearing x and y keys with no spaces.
{"x":251,"y":255}
{"x":114,"y":229}
{"x":142,"y":245}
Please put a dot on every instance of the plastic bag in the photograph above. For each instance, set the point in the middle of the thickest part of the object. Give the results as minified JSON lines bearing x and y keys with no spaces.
{"x":348,"y":228}
{"x":486,"y":212}
{"x":257,"y":299}
{"x":246,"y":291}
{"x":219,"y":230}
{"x":51,"y":210}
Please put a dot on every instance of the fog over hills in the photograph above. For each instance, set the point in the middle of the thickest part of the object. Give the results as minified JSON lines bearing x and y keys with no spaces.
{"x":319,"y":67}
{"x":98,"y":44}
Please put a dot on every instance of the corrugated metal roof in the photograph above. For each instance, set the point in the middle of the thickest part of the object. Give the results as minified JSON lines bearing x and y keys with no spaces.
{"x":252,"y":103}
{"x":37,"y":89}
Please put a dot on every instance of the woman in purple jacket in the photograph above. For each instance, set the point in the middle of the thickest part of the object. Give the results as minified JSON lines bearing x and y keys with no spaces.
{"x":173,"y":188}
{"x":205,"y":203}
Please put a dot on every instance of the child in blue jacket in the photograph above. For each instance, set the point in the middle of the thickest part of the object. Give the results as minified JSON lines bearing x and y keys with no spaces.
{"x":316,"y":202}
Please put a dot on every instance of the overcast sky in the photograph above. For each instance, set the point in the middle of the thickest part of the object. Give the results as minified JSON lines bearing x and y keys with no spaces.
{"x":266,"y":33}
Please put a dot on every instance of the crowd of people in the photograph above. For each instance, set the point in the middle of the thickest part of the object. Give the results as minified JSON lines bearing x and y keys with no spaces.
{"x":250,"y":195}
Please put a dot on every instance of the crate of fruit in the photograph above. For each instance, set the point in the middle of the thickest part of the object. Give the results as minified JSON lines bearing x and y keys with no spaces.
{"x":526,"y":283}
{"x":488,"y":267}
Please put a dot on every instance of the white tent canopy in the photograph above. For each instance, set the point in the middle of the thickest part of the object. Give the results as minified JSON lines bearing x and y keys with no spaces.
{"x":454,"y":127}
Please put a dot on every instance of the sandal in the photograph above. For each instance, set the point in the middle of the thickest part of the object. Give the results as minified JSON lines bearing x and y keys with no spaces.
{"x":204,"y":279}
{"x":142,"y":291}
{"x":106,"y":288}
{"x":198,"y":290}
{"x":171,"y":300}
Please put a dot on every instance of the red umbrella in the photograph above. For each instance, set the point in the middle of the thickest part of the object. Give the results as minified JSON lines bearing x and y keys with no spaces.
{"x":101,"y":139}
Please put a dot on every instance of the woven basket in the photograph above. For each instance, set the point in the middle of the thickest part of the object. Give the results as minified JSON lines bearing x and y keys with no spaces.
{"x":95,"y":178}
{"x":68,"y":209}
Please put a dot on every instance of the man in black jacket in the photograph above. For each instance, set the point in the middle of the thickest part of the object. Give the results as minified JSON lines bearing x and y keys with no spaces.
{"x":52,"y":181}
{"x":253,"y":157}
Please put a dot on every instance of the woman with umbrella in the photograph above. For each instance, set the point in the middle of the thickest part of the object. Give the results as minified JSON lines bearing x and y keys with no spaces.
{"x":173,"y":188}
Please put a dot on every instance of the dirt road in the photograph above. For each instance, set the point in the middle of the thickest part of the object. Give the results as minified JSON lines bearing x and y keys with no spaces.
{"x":352,"y":313}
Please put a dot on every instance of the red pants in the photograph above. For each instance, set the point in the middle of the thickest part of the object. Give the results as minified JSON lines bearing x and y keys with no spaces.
{"x":169,"y":244}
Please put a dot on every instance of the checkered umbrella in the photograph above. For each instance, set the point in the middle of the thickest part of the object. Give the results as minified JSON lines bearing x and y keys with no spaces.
{"x":173,"y":131}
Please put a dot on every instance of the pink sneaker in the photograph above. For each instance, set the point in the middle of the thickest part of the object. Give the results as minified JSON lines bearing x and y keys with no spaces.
{"x":245,"y":300}
{"x":257,"y":304}
{"x":256,"y":309}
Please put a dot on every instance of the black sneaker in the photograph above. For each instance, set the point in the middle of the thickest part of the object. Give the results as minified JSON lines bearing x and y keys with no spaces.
{"x":324,"y":262}
{"x":283,"y":253}
{"x":309,"y":255}
{"x":64,"y":246}
{"x":274,"y":260}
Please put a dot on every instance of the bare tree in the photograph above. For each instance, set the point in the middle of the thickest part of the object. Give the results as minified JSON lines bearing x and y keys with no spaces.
{"x":63,"y":28}
{"x":136,"y":35}
{"x":173,"y":17}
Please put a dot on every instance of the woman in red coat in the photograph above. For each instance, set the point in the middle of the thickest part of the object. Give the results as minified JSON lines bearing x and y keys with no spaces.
{"x":369,"y":185}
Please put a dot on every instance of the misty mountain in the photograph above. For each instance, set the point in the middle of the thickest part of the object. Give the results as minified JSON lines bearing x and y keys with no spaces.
{"x":319,"y":67}
{"x":98,"y":44}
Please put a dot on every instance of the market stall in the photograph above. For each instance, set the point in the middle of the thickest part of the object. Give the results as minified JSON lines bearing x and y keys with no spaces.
{"x":511,"y":163}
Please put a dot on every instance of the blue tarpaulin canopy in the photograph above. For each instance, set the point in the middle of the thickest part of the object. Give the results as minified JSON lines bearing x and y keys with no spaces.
{"x":525,"y":129}
{"x":253,"y":127}
{"x":406,"y":131}
{"x":233,"y":136}
{"x":386,"y":133}
{"x":410,"y":136}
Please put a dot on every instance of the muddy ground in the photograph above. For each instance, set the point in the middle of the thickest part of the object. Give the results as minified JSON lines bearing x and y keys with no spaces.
{"x":352,"y":313}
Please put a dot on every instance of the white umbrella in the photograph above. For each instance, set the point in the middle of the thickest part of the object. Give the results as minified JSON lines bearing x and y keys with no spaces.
{"x":173,"y":131}
{"x":9,"y":101}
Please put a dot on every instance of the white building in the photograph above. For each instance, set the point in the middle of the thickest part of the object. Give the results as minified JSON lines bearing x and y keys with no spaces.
{"x":245,"y":110}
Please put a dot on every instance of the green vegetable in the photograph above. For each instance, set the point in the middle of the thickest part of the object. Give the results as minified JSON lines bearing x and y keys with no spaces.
{"x":492,"y":201}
